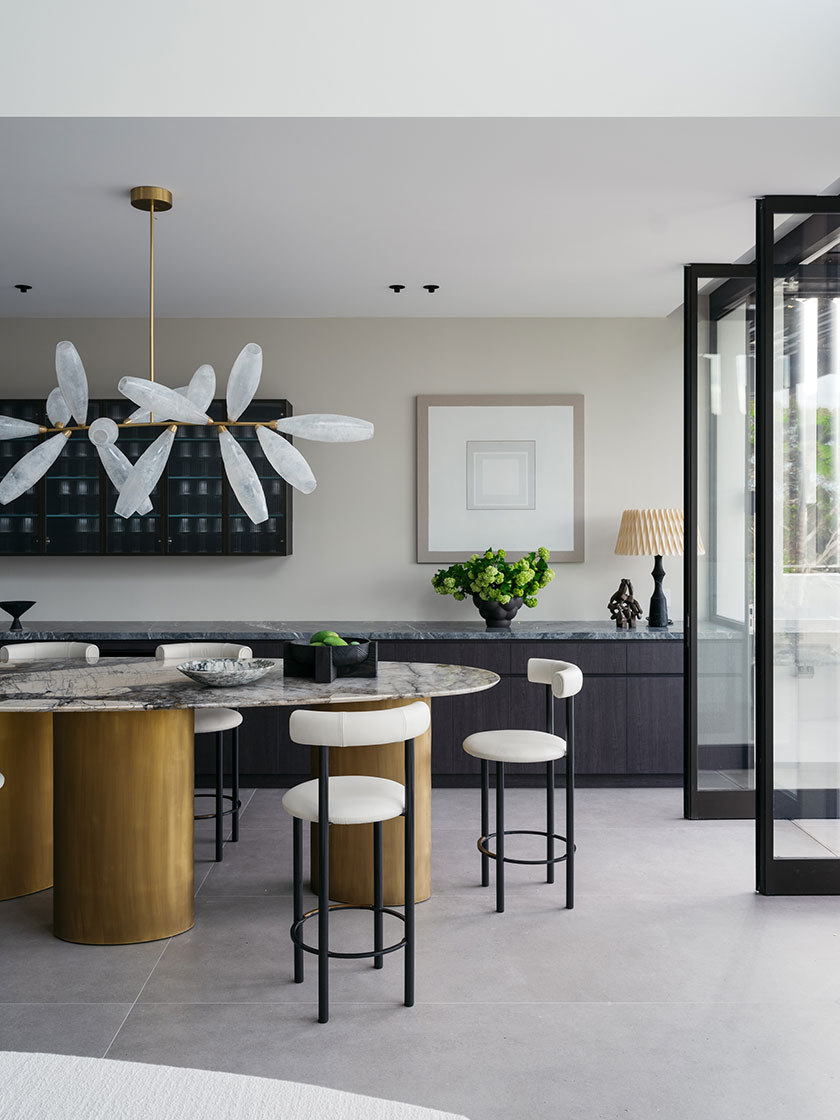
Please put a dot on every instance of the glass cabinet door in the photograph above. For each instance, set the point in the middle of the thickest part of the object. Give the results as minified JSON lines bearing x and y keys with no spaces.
{"x":719,"y":484}
{"x":798,"y":545}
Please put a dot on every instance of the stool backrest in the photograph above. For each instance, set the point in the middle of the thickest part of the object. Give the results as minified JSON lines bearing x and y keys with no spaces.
{"x":564,"y":678}
{"x":191,"y":651}
{"x":359,"y":729}
{"x":21,"y":652}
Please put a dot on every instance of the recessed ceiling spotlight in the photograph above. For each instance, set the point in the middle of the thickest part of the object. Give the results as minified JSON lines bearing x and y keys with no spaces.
{"x":24,"y":287}
{"x":431,"y":288}
{"x":396,"y":287}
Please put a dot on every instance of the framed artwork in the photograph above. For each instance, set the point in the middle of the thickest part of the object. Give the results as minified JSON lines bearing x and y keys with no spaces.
{"x":499,"y":472}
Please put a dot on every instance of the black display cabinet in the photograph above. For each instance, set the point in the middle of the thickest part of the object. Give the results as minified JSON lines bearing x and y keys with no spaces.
{"x":70,"y":512}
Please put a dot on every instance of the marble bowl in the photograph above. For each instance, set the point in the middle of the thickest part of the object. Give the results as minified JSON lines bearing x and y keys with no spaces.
{"x":224,"y":672}
{"x":341,"y":655}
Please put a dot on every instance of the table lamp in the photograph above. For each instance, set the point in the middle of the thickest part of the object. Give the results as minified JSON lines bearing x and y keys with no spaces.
{"x":657,"y":533}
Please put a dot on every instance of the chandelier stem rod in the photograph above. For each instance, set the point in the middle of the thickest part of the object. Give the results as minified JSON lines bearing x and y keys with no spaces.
{"x":151,"y":294}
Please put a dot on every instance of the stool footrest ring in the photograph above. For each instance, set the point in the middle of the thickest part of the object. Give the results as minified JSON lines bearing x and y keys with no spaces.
{"x":296,"y":932}
{"x":225,"y":812}
{"x":485,"y":851}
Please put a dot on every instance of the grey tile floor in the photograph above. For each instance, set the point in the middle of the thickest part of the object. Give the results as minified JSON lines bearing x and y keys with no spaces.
{"x":670,"y":990}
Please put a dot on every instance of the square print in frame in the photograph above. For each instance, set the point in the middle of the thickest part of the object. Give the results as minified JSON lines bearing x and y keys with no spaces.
{"x":500,"y":471}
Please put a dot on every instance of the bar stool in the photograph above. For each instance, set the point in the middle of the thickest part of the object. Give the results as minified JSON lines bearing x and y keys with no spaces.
{"x":353,"y":799}
{"x":19,"y":653}
{"x":26,"y":760}
{"x":215,"y":721}
{"x":564,"y":681}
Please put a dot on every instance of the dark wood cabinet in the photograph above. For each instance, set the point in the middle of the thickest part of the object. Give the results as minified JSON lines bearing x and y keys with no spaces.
{"x":70,"y":512}
{"x":628,"y":716}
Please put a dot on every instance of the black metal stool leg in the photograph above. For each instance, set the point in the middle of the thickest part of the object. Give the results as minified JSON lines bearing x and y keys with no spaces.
{"x":323,"y":886}
{"x":500,"y":837}
{"x":297,"y":887}
{"x":549,"y":820}
{"x":570,"y":803}
{"x":485,"y":819}
{"x":234,"y":780}
{"x":409,"y":873}
{"x":377,"y":894}
{"x":220,"y":774}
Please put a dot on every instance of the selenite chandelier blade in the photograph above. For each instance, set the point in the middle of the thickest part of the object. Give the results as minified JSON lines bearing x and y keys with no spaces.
{"x":160,"y":406}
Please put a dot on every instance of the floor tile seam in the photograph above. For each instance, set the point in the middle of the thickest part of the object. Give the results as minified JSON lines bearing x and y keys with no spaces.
{"x":421,"y":1003}
{"x":137,"y":997}
{"x":65,"y":1003}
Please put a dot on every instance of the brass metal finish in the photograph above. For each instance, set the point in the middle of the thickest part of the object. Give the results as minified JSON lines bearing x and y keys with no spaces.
{"x":144,"y":198}
{"x":155,"y":200}
{"x":123,"y":826}
{"x":26,"y":803}
{"x":351,"y":845}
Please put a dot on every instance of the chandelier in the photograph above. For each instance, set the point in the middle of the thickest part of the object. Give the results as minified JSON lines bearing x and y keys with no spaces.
{"x":162,"y":407}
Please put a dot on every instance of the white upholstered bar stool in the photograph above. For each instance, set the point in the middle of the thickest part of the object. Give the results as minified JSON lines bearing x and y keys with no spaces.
{"x":215,"y":721}
{"x":18,"y":653}
{"x":564,"y":681}
{"x":26,"y":760}
{"x":353,"y":799}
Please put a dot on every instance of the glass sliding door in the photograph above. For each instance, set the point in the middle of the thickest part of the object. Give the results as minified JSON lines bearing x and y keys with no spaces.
{"x":719,"y":581}
{"x":798,"y":545}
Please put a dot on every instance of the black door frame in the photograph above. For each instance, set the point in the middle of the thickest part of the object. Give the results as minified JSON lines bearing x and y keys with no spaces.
{"x":778,"y":876}
{"x":700,"y":804}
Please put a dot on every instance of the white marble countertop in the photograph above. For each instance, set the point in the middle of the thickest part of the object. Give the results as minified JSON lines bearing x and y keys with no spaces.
{"x":125,"y":684}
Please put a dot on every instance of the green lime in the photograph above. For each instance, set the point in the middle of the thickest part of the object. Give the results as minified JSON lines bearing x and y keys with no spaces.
{"x":317,"y":643}
{"x":321,"y":636}
{"x":334,"y":641}
{"x":354,"y":643}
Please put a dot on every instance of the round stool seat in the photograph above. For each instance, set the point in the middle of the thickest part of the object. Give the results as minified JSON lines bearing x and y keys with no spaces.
{"x":515,"y":746}
{"x":354,"y":799}
{"x":216,"y":719}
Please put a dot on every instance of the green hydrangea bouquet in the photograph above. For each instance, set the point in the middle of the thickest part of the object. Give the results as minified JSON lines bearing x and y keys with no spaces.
{"x":493,"y":579}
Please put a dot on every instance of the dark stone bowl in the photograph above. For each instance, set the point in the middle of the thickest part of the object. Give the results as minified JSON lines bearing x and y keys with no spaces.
{"x":341,"y":655}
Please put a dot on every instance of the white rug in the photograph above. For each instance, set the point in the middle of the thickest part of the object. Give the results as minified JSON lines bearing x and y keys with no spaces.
{"x":60,"y":1087}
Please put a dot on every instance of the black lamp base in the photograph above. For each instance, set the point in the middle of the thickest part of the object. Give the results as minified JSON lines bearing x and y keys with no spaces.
{"x":658,"y":616}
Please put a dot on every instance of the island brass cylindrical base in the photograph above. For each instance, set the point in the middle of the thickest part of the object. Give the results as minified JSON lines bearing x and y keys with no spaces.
{"x":26,"y":803}
{"x":351,"y":845}
{"x":123,"y":826}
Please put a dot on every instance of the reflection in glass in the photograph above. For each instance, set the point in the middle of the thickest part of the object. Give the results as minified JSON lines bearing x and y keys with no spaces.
{"x":725,"y":575}
{"x":806,"y":558}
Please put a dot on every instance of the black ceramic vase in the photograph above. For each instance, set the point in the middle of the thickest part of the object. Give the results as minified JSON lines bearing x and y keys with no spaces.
{"x":496,"y":616}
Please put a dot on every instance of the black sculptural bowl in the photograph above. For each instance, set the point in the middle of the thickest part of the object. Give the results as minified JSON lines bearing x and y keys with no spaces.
{"x":341,"y":655}
{"x":17,"y":607}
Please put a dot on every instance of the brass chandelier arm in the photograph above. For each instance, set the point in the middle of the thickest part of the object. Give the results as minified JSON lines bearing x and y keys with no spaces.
{"x":68,"y":428}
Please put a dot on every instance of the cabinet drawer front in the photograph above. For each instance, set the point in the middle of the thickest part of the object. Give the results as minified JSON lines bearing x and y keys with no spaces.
{"x":655,"y":657}
{"x":492,"y":654}
{"x":591,"y":657}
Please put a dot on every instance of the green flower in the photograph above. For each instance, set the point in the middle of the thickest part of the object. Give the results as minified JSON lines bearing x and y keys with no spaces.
{"x":495,"y":579}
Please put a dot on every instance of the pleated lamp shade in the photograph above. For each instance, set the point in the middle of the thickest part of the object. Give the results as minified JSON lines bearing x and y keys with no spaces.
{"x":652,"y":532}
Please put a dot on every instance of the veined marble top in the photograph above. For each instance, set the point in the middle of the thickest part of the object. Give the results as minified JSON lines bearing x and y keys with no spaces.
{"x":124,"y":684}
{"x":469,"y":628}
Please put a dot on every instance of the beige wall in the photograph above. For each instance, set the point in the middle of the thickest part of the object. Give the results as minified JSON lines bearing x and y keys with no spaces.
{"x":355,"y":536}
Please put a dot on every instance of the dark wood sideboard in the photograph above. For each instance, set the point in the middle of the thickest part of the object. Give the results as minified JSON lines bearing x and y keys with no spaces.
{"x":629,"y":716}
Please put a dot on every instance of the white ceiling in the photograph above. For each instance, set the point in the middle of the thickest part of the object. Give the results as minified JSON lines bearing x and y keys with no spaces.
{"x":316,"y":217}
{"x":427,"y":58}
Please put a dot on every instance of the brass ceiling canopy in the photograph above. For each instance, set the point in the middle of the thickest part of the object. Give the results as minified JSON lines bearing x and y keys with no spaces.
{"x":148,"y":198}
